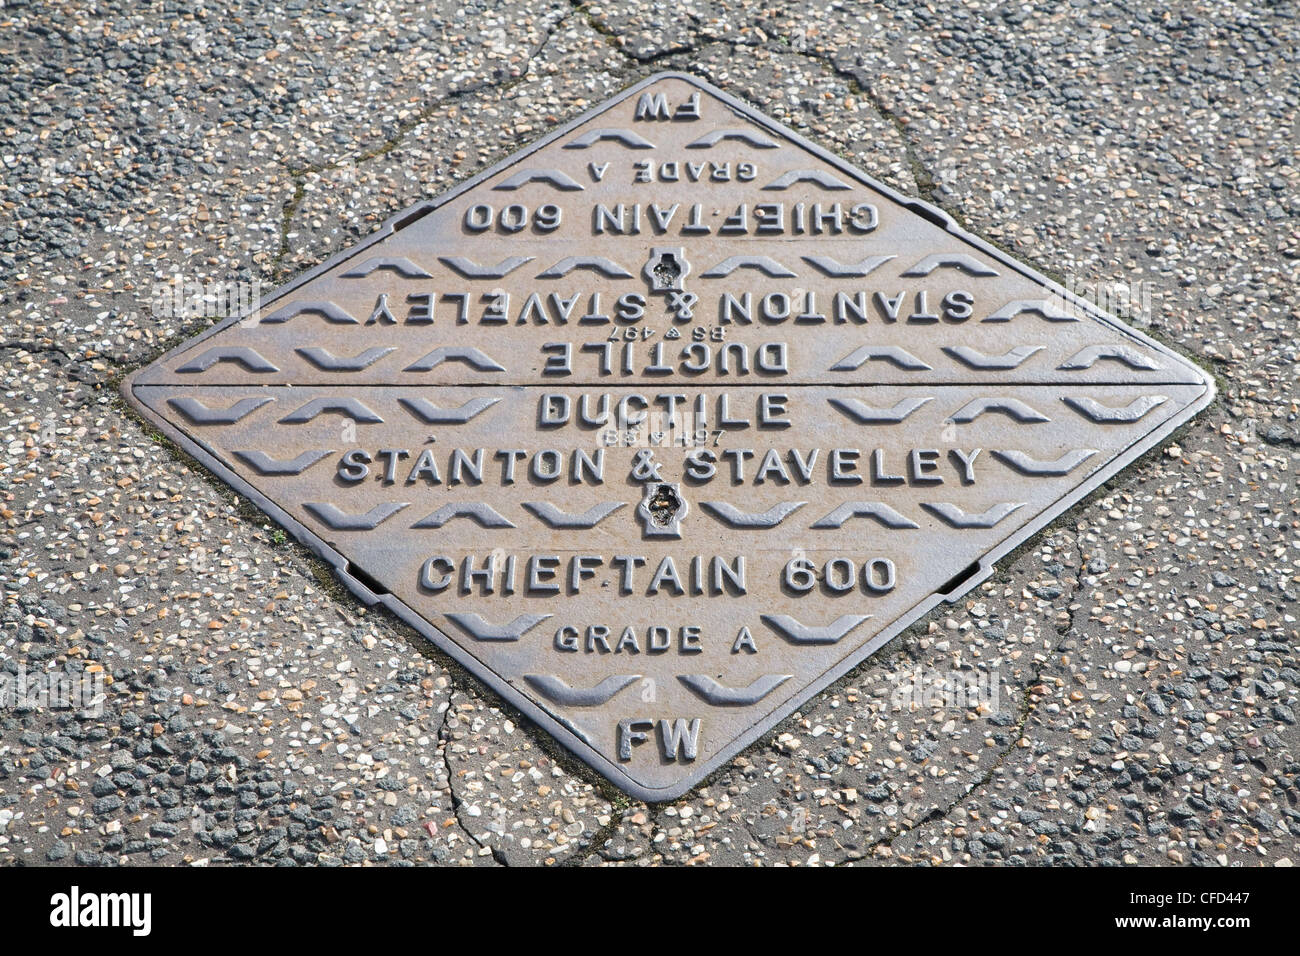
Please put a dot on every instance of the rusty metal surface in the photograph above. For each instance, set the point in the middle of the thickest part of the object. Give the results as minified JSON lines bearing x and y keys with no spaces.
{"x":658,"y":460}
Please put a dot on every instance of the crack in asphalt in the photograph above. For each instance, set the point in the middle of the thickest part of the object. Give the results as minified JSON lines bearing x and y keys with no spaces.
{"x":940,"y":813}
{"x":457,"y":802}
{"x":298,"y":175}
{"x":1069,"y":607}
{"x":580,"y":851}
{"x":654,"y":813}
{"x":926,"y":183}
{"x":596,"y":843}
{"x":34,"y":348}
{"x":1027,"y":704}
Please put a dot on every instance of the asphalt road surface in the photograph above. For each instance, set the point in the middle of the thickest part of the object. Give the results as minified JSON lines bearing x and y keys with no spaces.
{"x":1144,"y":646}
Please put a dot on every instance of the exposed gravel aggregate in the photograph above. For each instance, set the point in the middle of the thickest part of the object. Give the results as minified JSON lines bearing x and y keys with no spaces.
{"x":1145,"y":646}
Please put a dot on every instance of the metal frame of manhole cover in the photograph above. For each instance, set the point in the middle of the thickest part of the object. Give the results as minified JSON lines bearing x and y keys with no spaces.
{"x":878,"y":427}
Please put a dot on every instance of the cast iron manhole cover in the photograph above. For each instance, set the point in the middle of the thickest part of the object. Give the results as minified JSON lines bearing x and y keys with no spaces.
{"x":667,"y":421}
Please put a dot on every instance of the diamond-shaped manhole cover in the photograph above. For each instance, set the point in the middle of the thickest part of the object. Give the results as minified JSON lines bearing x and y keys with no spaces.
{"x":667,"y":421}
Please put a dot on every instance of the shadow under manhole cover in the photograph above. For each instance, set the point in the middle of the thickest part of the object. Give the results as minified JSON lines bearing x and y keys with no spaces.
{"x":667,"y":421}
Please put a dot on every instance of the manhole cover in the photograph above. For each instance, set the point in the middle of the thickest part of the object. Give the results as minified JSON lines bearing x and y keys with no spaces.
{"x":667,"y":421}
